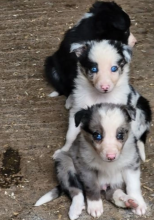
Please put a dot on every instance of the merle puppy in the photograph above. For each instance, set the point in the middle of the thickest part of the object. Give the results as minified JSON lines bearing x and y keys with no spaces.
{"x":103,"y":77}
{"x":105,"y":20}
{"x":103,"y":157}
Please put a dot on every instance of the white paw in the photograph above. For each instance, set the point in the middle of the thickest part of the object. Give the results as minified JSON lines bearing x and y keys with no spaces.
{"x":76,"y":207}
{"x":53,"y":94}
{"x":123,"y":200}
{"x":95,"y":208}
{"x":67,"y":105}
{"x":141,"y":209}
{"x":128,"y":201}
{"x":56,"y":154}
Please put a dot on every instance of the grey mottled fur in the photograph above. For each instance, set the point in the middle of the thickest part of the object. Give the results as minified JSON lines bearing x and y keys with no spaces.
{"x":83,"y":160}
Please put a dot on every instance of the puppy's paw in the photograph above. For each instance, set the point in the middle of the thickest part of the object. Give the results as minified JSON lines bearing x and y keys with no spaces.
{"x":123,"y":200}
{"x":76,"y":207}
{"x":68,"y":105}
{"x":53,"y":94}
{"x":54,"y":157}
{"x":141,"y":209}
{"x":95,"y":208}
{"x":129,"y":202}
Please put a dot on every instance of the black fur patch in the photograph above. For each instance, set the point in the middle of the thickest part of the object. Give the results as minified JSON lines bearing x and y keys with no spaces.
{"x":144,"y":137}
{"x":129,"y":99}
{"x":74,"y":180}
{"x":84,"y":116}
{"x":144,"y":105}
{"x":132,"y":89}
{"x":59,"y":190}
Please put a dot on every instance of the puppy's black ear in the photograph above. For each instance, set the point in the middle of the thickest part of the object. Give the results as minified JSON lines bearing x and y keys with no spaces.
{"x":83,"y":116}
{"x":78,"y":48}
{"x":127,"y":52}
{"x":130,"y":111}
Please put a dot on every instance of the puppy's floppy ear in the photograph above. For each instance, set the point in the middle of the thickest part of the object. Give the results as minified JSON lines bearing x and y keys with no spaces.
{"x":83,"y":116}
{"x":78,"y":48}
{"x":127,"y":52}
{"x":130,"y":111}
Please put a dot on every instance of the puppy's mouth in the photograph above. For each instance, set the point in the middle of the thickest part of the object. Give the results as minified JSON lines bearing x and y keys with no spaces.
{"x":104,"y":91}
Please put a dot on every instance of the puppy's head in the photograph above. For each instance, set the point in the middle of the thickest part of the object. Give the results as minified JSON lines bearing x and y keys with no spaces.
{"x":106,"y":127}
{"x":104,"y":63}
{"x":111,"y":22}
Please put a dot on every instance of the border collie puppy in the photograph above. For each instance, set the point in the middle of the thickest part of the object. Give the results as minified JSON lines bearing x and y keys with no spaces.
{"x":103,"y":157}
{"x":105,"y":20}
{"x":103,"y":69}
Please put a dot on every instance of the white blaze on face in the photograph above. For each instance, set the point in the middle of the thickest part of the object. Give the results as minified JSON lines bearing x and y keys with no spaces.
{"x":112,"y":120}
{"x":106,"y":56}
{"x":132,"y":40}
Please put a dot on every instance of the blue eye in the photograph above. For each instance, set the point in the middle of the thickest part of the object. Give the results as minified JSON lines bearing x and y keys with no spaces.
{"x":120,"y":136}
{"x":94,"y":70}
{"x":97,"y":136}
{"x":114,"y":68}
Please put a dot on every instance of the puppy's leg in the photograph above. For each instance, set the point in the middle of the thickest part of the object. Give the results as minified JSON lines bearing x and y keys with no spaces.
{"x":70,"y":184}
{"x":92,"y":192}
{"x":72,"y":133}
{"x":120,"y":199}
{"x":133,"y":188}
{"x":78,"y":203}
{"x":70,"y":136}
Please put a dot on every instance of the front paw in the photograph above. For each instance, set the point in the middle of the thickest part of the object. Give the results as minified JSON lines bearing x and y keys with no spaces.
{"x":141,"y":209}
{"x":56,"y":154}
{"x":76,"y":207}
{"x":95,"y":208}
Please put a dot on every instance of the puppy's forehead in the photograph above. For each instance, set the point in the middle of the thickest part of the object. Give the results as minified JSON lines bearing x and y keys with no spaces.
{"x":103,"y":52}
{"x":111,"y":118}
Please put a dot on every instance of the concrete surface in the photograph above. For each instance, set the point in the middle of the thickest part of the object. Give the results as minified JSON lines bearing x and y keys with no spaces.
{"x":34,"y":125}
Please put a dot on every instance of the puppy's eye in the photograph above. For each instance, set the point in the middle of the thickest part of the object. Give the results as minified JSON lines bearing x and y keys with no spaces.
{"x":120,"y":136}
{"x":114,"y":68}
{"x":94,"y":69}
{"x":97,"y":136}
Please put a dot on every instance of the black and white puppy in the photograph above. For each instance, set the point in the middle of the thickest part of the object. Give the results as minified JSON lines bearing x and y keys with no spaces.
{"x":105,"y":20}
{"x":103,"y":77}
{"x":103,"y":157}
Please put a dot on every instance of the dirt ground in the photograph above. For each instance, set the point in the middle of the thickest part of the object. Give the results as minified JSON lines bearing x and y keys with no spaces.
{"x":33,"y":125}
